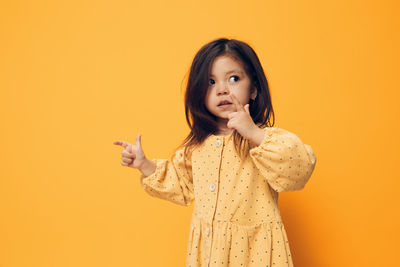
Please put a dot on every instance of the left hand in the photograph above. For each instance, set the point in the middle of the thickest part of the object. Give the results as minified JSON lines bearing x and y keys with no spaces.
{"x":241,"y":119}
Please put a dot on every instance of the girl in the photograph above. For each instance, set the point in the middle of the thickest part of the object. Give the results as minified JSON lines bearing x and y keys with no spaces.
{"x":233,"y":162}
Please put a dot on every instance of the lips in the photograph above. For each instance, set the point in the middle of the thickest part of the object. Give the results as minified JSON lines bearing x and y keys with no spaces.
{"x":224,"y":102}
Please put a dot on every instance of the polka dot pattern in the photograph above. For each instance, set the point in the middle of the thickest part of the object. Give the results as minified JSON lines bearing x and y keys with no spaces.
{"x":236,"y":219}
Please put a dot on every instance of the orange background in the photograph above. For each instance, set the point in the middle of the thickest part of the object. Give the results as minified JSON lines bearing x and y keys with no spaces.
{"x":77,"y":75}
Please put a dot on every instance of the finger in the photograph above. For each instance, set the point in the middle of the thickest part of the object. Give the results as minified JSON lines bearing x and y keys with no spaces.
{"x":127,"y":154}
{"x":246,"y":107}
{"x":129,"y":148}
{"x":236,"y":102}
{"x":230,"y":124}
{"x":127,"y":160}
{"x":231,"y":115}
{"x":121,"y":143}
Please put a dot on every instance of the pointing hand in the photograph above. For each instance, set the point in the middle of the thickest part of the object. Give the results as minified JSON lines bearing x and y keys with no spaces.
{"x":241,"y":119}
{"x":133,"y":155}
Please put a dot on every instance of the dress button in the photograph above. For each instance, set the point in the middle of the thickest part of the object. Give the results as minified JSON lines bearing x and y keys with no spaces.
{"x":208,"y":231}
{"x":218,"y":143}
{"x":212,"y":187}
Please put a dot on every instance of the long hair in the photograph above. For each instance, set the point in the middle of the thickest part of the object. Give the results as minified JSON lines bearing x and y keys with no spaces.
{"x":203,"y":123}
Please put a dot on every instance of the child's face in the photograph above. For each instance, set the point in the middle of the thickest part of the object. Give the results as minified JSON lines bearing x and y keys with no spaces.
{"x":222,"y":82}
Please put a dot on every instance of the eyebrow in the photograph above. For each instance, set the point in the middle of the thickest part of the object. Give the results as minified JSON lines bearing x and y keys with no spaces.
{"x":231,"y":71}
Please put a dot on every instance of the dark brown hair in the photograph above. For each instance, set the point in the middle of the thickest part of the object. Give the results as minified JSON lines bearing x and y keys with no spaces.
{"x":202,"y":122}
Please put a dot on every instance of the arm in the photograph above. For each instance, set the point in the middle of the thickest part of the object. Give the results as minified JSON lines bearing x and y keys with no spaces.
{"x":169,"y":180}
{"x":282,"y":158}
{"x":148,"y":167}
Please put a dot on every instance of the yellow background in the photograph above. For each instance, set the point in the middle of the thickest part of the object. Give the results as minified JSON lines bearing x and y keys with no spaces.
{"x":77,"y":75}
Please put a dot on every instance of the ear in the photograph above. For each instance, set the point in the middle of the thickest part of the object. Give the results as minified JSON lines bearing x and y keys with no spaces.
{"x":254,"y":93}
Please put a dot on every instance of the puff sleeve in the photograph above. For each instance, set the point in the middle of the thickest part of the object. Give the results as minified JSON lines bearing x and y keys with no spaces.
{"x":283,"y":159}
{"x":171,"y":180}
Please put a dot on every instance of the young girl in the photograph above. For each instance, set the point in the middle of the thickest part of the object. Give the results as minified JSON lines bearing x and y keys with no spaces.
{"x":233,"y":163}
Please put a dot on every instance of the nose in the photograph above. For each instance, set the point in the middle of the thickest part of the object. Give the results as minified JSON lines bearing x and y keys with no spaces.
{"x":223,"y":89}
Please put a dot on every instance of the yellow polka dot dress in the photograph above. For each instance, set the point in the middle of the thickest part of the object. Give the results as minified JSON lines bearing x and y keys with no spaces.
{"x":236,"y":219}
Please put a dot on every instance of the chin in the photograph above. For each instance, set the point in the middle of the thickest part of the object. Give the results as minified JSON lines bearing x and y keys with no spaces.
{"x":222,"y":117}
{"x":221,"y":114}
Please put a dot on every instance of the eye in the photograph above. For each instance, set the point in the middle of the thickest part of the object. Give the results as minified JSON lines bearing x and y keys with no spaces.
{"x":234,"y":76}
{"x":211,"y":81}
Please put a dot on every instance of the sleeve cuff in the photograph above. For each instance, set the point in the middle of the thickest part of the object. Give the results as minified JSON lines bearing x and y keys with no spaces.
{"x":268,"y":132}
{"x":144,"y":179}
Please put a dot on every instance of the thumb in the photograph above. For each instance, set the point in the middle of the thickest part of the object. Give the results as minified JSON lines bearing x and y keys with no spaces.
{"x":246,"y":107}
{"x":138,"y":141}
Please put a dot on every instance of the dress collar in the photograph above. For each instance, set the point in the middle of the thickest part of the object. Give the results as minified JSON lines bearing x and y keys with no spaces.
{"x":225,"y":137}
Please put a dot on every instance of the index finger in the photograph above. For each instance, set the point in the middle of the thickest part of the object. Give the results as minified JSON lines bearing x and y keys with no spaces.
{"x":121,"y":143}
{"x":235,"y":101}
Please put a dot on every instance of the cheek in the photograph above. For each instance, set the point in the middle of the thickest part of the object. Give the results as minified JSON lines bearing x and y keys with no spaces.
{"x":245,"y":94}
{"x":241,"y":94}
{"x":208,"y":101}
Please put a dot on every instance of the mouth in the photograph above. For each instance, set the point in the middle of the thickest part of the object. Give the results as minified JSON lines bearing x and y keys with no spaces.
{"x":225,"y":105}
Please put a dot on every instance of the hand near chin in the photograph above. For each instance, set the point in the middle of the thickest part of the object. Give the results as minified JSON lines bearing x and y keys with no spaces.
{"x":241,"y":120}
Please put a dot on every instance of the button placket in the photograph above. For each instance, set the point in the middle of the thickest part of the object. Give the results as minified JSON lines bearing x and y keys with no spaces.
{"x":208,"y":231}
{"x":212,"y":187}
{"x":219,"y":143}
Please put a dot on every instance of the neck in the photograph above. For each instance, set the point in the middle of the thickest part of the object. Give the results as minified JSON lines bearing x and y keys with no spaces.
{"x":223,"y":129}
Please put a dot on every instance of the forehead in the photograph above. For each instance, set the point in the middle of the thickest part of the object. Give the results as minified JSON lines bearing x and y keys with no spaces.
{"x":225,"y":65}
